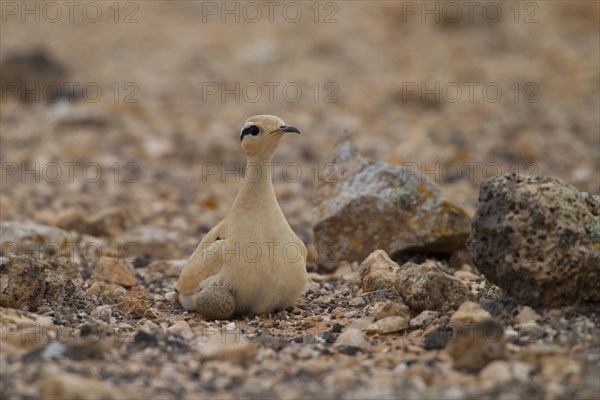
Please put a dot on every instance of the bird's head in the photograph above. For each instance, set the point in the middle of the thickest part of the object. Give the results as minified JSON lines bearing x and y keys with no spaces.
{"x":261,"y":135}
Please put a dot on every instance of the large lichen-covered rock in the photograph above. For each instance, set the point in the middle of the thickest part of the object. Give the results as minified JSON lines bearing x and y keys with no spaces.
{"x":537,"y":238}
{"x":363,"y":205}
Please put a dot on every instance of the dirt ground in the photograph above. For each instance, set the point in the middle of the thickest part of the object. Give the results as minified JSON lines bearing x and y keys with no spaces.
{"x":159,"y":92}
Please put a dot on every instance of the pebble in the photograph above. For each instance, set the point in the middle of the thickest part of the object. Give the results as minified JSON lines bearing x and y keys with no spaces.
{"x":182,"y":328}
{"x":353,"y":338}
{"x":468,"y":313}
{"x":428,"y":287}
{"x":74,"y":387}
{"x":391,"y":309}
{"x":476,"y":344}
{"x":388,"y":325}
{"x":423,"y":319}
{"x":527,"y":314}
{"x":378,"y":272}
{"x":113,"y":270}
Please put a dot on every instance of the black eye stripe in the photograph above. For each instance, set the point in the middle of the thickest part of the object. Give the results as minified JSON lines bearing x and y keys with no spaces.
{"x":251,"y":130}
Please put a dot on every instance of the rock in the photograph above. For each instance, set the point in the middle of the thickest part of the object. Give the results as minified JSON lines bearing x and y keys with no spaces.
{"x":423,"y":319}
{"x":378,"y":272}
{"x":467,"y":276}
{"x":352,"y":340}
{"x":151,"y":242}
{"x":21,"y":330}
{"x":362,"y":206}
{"x":526,"y":315}
{"x":391,"y":309}
{"x":537,"y":238}
{"x":496,"y":372}
{"x":226,"y":345}
{"x":109,"y":289}
{"x":181,"y":328}
{"x":388,"y":325}
{"x":22,"y":283}
{"x":112,"y":221}
{"x":114,"y":270}
{"x":469,"y":313}
{"x":71,"y":219}
{"x":74,"y":387}
{"x":103,"y":312}
{"x":215,"y":303}
{"x":475,"y":345}
{"x":438,"y":338}
{"x":27,"y":73}
{"x":33,"y":239}
{"x":427,"y":287}
{"x":133,"y":303}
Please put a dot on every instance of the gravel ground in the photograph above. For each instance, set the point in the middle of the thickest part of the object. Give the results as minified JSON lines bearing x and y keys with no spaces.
{"x":154,"y":160}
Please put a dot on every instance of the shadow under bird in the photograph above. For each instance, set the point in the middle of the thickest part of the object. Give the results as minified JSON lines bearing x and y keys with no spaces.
{"x":251,"y":262}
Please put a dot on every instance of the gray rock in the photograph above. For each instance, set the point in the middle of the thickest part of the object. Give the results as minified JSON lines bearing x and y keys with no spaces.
{"x":538,"y":239}
{"x":427,"y":287}
{"x":363,"y":205}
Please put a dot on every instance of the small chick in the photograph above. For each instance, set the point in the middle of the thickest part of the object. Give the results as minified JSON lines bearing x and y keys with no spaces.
{"x":253,"y":253}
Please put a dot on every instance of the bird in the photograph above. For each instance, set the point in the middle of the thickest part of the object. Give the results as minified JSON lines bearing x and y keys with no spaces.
{"x":251,"y":262}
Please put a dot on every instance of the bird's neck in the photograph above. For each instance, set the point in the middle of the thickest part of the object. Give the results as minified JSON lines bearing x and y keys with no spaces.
{"x":257,"y":187}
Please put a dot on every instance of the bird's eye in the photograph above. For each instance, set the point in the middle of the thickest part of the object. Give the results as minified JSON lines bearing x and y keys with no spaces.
{"x":251,"y":130}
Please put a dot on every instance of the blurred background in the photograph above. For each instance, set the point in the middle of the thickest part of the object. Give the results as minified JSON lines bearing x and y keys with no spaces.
{"x":140,"y":104}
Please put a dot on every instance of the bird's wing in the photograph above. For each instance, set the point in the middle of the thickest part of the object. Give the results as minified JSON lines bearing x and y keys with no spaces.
{"x":206,"y":261}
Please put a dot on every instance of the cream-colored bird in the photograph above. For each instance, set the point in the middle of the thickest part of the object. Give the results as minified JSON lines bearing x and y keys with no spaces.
{"x":251,"y":257}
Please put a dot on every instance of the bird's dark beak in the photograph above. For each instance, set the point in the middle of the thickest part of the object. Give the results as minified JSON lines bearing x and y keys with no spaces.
{"x":288,"y":129}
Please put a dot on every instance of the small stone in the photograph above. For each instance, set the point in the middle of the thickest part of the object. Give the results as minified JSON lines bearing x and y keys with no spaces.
{"x":215,"y":303}
{"x":227,"y":346}
{"x":469,"y":313}
{"x":496,"y":372}
{"x":133,"y":303}
{"x":428,"y":287}
{"x":114,"y":270}
{"x":103,"y":312}
{"x":527,"y":314}
{"x":388,"y":325}
{"x":467,"y":276}
{"x":475,"y":345}
{"x":352,"y":338}
{"x":153,"y":243}
{"x":22,"y":330}
{"x":357,"y":302}
{"x":33,"y":239}
{"x":98,"y":288}
{"x":22,"y":283}
{"x":423,"y":319}
{"x":112,"y":221}
{"x":70,"y":387}
{"x":378,"y":272}
{"x":181,"y":328}
{"x":391,"y":309}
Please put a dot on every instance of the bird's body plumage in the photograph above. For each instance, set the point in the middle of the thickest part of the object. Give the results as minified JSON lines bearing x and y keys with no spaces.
{"x":253,"y":252}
